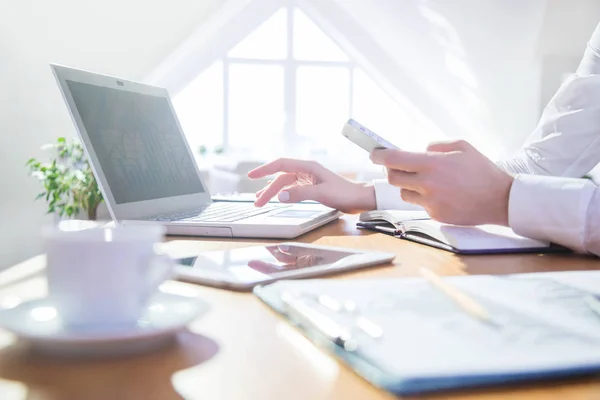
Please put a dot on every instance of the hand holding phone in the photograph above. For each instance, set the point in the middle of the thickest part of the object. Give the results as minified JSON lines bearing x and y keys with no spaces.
{"x":364,"y":137}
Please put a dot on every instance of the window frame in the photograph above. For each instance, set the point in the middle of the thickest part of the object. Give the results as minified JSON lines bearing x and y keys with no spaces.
{"x":290,"y":67}
{"x":236,"y":19}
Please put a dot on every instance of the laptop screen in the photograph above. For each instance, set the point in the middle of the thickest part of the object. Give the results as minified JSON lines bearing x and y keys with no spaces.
{"x":138,"y":143}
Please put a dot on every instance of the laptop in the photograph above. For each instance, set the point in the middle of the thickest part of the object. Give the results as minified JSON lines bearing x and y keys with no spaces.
{"x":146,"y":170}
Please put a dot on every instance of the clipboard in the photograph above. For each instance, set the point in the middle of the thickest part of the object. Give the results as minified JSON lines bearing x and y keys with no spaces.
{"x":568,"y":361}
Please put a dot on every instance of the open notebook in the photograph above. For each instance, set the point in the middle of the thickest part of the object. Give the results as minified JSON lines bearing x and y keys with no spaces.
{"x":483,"y":239}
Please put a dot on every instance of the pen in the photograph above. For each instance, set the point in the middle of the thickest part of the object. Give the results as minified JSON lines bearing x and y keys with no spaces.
{"x":593,"y":303}
{"x":469,"y":305}
{"x":311,"y":318}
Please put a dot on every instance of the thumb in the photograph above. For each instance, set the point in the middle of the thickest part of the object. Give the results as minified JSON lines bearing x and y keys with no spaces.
{"x":299,"y":193}
{"x":448,"y":146}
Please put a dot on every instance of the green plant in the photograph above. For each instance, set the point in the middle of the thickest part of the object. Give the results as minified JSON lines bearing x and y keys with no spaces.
{"x":203,"y":150}
{"x":68,"y":180}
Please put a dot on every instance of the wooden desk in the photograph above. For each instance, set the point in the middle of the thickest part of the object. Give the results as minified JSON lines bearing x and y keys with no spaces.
{"x":242,"y":350}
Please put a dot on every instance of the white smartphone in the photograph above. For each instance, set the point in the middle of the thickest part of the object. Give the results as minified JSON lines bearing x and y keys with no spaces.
{"x":243,"y":268}
{"x":364,"y":137}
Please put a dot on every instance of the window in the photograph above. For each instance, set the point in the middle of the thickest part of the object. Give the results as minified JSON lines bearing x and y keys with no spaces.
{"x":287,"y":88}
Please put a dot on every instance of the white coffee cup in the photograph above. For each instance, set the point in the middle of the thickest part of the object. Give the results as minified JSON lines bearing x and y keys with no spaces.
{"x":103,"y":278}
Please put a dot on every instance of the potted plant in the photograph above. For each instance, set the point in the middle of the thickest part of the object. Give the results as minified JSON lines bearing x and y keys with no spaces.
{"x":69,"y":184}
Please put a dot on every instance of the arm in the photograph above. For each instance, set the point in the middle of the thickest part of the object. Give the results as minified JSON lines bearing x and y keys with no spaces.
{"x":561,"y":210}
{"x":565,"y":144}
{"x":566,"y":141}
{"x":458,"y":185}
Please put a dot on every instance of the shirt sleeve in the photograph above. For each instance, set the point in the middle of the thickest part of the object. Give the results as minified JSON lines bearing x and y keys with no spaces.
{"x":566,"y":141}
{"x":565,"y":211}
{"x":590,"y":64}
{"x":388,"y":197}
{"x":547,"y":201}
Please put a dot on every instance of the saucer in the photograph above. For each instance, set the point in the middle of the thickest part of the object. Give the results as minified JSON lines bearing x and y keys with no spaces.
{"x":39,"y":323}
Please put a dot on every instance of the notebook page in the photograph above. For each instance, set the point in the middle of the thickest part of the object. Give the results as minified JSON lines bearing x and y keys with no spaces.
{"x":482,"y":237}
{"x":399,"y":216}
{"x":428,"y":335}
{"x":394,"y":217}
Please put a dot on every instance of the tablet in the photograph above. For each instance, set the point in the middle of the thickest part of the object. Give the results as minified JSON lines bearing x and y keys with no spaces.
{"x":243,"y":268}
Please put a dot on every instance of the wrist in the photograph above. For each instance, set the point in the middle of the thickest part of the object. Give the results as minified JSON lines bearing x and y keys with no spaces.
{"x":365,"y":197}
{"x":500,"y":211}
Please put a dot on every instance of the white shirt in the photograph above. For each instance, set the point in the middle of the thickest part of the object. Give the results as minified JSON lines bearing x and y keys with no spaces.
{"x":548,"y":200}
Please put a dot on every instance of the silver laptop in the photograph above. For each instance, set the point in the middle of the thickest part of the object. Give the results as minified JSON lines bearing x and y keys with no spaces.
{"x":146,"y":170}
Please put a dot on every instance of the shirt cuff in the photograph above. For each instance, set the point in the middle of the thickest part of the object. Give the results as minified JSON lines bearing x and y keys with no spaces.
{"x":388,"y":197}
{"x":550,"y":208}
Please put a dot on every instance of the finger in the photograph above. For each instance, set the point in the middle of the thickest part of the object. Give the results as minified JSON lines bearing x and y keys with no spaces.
{"x":448,"y":146}
{"x":271,"y":190}
{"x":284,"y":165}
{"x":283,"y":257}
{"x":264,"y":267}
{"x":402,"y":160}
{"x":300,"y":193}
{"x":304,"y":261}
{"x":410,"y":196}
{"x":405,"y":180}
{"x":261,"y":191}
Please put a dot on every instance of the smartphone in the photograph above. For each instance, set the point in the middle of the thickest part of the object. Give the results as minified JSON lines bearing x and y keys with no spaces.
{"x":364,"y":137}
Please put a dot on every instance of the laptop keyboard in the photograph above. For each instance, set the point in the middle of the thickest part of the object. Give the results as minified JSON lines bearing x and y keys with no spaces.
{"x":221,"y":212}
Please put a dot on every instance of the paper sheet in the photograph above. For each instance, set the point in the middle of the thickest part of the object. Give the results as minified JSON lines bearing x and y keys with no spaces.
{"x":546,"y":322}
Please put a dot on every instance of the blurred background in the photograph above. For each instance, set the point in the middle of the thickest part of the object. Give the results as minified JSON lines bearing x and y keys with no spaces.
{"x":256,"y":79}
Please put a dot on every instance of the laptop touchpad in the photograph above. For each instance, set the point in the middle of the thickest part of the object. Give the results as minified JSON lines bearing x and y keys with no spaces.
{"x":295,"y":214}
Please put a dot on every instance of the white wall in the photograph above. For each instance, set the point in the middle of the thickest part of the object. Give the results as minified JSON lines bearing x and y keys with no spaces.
{"x":561,"y":44}
{"x":127,"y":38}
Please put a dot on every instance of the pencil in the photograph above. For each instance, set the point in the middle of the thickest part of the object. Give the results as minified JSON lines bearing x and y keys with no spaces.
{"x":465,"y":302}
{"x":593,"y":303}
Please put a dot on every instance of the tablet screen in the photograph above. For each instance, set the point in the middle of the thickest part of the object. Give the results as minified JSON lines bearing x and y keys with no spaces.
{"x":255,"y":264}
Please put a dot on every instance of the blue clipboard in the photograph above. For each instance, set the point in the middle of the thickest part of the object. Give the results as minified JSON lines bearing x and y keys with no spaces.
{"x":370,"y":369}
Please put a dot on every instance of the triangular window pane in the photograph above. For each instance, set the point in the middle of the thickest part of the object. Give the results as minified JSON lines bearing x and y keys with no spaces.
{"x":268,"y":41}
{"x":311,"y":43}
